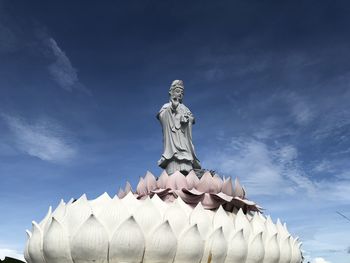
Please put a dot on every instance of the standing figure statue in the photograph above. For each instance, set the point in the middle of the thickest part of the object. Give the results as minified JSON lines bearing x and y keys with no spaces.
{"x":177,"y":120}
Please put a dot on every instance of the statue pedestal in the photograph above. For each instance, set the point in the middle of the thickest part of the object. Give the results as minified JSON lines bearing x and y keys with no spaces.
{"x":172,"y":219}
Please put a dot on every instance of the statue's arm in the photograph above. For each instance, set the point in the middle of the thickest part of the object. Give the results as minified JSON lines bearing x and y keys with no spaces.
{"x":162,"y":110}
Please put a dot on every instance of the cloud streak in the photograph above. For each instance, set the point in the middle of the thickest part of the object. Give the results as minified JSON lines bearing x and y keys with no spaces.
{"x":62,"y":70}
{"x":43,"y":139}
{"x":263,"y":170}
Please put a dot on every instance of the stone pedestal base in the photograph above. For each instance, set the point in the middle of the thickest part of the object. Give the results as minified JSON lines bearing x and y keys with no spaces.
{"x":175,"y":165}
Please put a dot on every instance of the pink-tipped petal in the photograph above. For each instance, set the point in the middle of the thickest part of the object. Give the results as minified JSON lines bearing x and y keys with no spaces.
{"x":193,"y":192}
{"x":224,"y":197}
{"x":209,"y":202}
{"x":150,"y":181}
{"x":206,"y":184}
{"x":246,"y":201}
{"x":189,"y":198}
{"x":127,"y":188}
{"x":162,"y":180}
{"x":121,"y":193}
{"x":141,"y":188}
{"x":227,"y":187}
{"x":218,"y":182}
{"x":180,"y":180}
{"x":192,"y":180}
{"x":171,"y":182}
{"x":161,"y":192}
{"x":239,"y":191}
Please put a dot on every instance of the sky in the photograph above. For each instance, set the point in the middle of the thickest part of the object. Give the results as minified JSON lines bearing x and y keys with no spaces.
{"x":267,"y":81}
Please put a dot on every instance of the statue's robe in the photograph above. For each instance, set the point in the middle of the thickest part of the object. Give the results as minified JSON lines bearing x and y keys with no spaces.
{"x":177,"y":139}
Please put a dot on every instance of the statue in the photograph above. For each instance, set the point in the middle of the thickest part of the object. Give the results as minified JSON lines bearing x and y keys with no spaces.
{"x":177,"y":120}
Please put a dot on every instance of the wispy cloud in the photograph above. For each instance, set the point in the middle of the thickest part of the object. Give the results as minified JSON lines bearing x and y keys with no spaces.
{"x":62,"y":69}
{"x":320,"y":260}
{"x":263,"y":170}
{"x":13,"y":36}
{"x":43,"y":139}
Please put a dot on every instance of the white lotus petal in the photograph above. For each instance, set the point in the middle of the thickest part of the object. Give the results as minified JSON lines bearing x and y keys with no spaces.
{"x":256,"y":250}
{"x":98,"y":203}
{"x":190,"y":247}
{"x":200,"y":217}
{"x":237,"y":248}
{"x":282,"y":233}
{"x":263,"y":218}
{"x":177,"y":218}
{"x":296,"y":253}
{"x":271,"y":229}
{"x":47,"y":220}
{"x":112,"y":214}
{"x":136,"y":232}
{"x":242,"y":222}
{"x":161,"y":245}
{"x":161,"y":206}
{"x":215,"y":248}
{"x":60,"y":211}
{"x":131,"y":202}
{"x":286,"y":228}
{"x":56,"y":246}
{"x":26,"y":252}
{"x":272,"y":250}
{"x":148,"y":216}
{"x":257,"y":224}
{"x":221,"y":219}
{"x":90,"y":244}
{"x":184,"y":206}
{"x":35,"y":246}
{"x":285,"y":250}
{"x":76,"y":214}
{"x":127,"y":243}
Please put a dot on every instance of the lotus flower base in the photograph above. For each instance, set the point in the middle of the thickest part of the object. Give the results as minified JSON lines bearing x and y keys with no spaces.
{"x":148,"y":229}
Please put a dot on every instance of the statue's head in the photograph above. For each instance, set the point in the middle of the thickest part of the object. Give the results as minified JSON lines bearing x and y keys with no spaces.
{"x":176,"y":90}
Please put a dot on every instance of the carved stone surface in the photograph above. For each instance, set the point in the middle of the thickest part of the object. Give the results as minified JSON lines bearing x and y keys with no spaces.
{"x":177,"y":120}
{"x":112,"y":230}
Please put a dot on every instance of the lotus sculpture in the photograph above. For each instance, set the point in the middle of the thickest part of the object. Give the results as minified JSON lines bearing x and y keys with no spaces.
{"x":141,"y":227}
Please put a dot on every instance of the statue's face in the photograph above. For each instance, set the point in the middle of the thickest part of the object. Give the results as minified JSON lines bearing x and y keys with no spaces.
{"x":177,"y":93}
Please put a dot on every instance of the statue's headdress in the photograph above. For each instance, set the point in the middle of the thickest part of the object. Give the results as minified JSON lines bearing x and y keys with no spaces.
{"x":177,"y":84}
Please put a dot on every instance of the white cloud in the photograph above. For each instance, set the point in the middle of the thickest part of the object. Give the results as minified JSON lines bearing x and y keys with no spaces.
{"x":261,"y":169}
{"x":62,"y":70}
{"x":301,"y":110}
{"x":320,"y":260}
{"x":42,"y":139}
{"x":271,"y":170}
{"x":322,"y":166}
{"x":5,"y":252}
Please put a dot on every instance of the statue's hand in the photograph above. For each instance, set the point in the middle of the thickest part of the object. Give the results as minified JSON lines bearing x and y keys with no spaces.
{"x":174,"y":103}
{"x":184,"y":119}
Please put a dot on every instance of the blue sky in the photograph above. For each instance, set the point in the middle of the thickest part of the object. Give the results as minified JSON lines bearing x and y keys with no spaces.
{"x":268,"y":82}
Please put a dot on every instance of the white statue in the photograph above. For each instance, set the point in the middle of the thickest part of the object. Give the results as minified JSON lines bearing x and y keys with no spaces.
{"x":177,"y":120}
